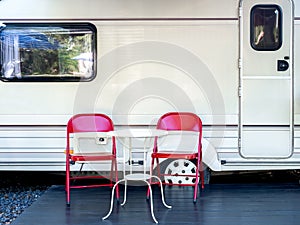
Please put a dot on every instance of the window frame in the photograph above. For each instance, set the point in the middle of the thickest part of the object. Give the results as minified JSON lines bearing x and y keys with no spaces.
{"x":253,"y":27}
{"x":58,"y":78}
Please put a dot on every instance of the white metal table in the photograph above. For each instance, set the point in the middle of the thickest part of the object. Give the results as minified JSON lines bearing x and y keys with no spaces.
{"x":129,"y":134}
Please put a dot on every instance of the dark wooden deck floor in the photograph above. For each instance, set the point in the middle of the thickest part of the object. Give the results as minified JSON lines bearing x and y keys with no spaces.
{"x":261,"y":203}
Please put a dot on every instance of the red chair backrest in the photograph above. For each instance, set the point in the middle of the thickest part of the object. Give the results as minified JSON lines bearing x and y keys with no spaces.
{"x":90,"y":123}
{"x":185,"y":121}
{"x":180,"y":121}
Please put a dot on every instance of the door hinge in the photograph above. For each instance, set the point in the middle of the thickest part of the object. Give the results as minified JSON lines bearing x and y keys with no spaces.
{"x":240,"y":11}
{"x":240,"y":63}
{"x":239,"y":143}
{"x":240,"y":91}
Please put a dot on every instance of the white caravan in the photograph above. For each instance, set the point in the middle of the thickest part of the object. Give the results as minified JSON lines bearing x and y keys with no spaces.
{"x":234,"y":63}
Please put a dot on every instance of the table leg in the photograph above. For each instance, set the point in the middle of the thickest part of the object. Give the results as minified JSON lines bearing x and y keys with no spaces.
{"x":112,"y":200}
{"x":151,"y":201}
{"x":125,"y":193}
{"x":162,"y":192}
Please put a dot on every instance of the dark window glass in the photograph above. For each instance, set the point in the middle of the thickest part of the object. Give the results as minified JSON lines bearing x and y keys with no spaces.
{"x":47,"y":52}
{"x":266,"y":27}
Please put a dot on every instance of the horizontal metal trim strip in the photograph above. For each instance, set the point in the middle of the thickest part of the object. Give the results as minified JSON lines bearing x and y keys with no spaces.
{"x":124,"y":19}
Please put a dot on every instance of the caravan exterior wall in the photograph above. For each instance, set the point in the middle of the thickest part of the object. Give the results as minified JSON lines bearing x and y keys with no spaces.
{"x":134,"y":61}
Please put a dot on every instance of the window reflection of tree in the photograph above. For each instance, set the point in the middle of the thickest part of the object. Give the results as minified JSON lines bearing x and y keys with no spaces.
{"x":44,"y":52}
{"x":266,"y":28}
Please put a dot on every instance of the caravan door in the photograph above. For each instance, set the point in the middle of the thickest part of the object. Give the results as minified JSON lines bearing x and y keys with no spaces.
{"x":266,"y":79}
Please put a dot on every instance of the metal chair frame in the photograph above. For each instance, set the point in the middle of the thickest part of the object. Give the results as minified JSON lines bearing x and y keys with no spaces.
{"x":83,"y":123}
{"x":180,"y":121}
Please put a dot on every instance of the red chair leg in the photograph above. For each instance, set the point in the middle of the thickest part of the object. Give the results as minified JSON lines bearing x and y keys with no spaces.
{"x":197,"y":180}
{"x":202,"y":179}
{"x":201,"y":171}
{"x":112,"y":167}
{"x":67,"y":183}
{"x":158,"y":168}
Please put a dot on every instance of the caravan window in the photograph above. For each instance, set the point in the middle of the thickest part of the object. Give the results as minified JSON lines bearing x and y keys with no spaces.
{"x":266,"y":27}
{"x":47,"y":52}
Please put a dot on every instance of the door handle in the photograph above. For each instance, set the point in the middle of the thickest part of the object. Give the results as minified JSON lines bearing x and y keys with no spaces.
{"x":282,"y":65}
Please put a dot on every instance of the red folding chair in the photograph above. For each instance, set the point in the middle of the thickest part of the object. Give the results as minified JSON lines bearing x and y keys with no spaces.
{"x":180,"y":121}
{"x":88,"y":142}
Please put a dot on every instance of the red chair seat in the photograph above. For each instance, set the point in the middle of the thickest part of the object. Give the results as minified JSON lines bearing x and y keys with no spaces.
{"x":92,"y":157}
{"x":177,"y":155}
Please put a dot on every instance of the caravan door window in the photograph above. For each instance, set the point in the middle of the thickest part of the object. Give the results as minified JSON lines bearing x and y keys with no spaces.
{"x":266,"y":27}
{"x":47,"y":52}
